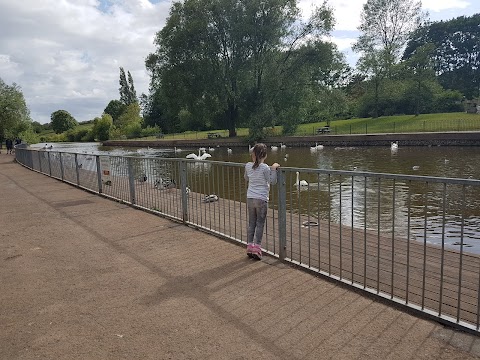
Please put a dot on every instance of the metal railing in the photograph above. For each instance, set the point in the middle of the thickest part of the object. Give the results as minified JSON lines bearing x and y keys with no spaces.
{"x":409,"y":239}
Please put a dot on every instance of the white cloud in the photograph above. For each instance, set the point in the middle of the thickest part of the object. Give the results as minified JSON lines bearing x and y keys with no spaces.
{"x":66,"y":54}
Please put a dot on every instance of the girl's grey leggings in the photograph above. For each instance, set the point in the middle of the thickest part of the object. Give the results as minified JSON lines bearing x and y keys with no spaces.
{"x":257,"y":213}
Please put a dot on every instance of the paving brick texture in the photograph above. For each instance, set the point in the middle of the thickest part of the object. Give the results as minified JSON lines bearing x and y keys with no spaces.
{"x":85,"y":277}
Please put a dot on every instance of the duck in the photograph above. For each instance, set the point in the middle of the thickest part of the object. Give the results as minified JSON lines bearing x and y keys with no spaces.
{"x":210,"y":198}
{"x":163,"y":184}
{"x":301,"y":183}
{"x":394,"y":146}
{"x":142,"y":178}
{"x":203,"y":156}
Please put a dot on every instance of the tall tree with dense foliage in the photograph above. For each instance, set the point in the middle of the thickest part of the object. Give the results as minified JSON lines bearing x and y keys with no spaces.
{"x":115,"y":109}
{"x":456,"y":54}
{"x":128,"y":95}
{"x":14,"y":114}
{"x":385,"y":26}
{"x":62,"y":121}
{"x":229,"y":62}
{"x":101,"y":127}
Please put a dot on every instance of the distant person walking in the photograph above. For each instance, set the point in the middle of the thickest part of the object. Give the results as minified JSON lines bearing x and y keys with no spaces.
{"x":9,"y":145}
{"x":259,"y":176}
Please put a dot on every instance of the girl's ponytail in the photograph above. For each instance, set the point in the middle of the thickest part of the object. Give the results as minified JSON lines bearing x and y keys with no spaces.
{"x":260,"y":151}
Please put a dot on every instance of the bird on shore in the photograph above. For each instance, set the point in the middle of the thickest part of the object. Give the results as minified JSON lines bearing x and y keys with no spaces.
{"x":210,"y":198}
{"x":164,"y":184}
{"x":142,"y":178}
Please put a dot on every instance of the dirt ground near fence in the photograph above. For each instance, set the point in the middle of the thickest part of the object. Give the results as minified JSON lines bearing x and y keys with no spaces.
{"x":84,"y":277}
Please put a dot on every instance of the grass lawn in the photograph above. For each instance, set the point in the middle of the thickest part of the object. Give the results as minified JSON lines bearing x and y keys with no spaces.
{"x":385,"y":124}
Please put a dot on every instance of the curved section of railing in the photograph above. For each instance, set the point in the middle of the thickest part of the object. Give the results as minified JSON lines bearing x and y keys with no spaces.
{"x":413,"y":240}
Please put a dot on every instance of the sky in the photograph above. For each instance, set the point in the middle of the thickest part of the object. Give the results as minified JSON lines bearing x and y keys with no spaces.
{"x":66,"y":54}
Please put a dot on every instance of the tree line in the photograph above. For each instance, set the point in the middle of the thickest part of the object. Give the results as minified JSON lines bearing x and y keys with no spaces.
{"x":225,"y":64}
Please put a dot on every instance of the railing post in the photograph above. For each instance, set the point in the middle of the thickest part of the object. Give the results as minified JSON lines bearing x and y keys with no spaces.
{"x":49,"y":164}
{"x":76,"y":169}
{"x":39,"y":162}
{"x":61,"y":166}
{"x":282,"y":213}
{"x":131,"y":180}
{"x":99,"y":174}
{"x":183,"y":187}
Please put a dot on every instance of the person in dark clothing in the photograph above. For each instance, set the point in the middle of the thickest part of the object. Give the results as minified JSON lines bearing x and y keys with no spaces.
{"x":9,"y":145}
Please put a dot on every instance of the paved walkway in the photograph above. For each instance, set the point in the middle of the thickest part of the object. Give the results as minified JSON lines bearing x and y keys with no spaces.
{"x":84,"y":277}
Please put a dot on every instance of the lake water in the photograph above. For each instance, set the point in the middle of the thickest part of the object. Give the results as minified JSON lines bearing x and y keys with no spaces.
{"x":344,"y":200}
{"x":456,"y":162}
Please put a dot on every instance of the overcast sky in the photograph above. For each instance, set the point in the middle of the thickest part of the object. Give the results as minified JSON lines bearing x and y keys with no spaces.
{"x":66,"y":54}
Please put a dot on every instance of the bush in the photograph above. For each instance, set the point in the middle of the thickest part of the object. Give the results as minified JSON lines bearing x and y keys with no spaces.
{"x":150,"y":131}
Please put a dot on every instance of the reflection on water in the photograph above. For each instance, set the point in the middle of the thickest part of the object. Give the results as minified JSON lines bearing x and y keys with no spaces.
{"x":435,"y":209}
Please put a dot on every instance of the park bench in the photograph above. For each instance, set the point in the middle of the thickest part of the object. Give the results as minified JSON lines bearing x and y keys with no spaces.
{"x":213,"y":135}
{"x":323,"y":130}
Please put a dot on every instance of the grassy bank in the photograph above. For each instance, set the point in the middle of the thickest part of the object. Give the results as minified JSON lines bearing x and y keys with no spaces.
{"x":387,"y":124}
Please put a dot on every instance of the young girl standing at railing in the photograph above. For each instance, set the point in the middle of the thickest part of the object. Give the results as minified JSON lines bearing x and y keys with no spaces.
{"x":259,"y":176}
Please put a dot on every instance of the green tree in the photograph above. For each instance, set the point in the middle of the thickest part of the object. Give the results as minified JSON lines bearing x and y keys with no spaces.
{"x":456,"y":54}
{"x":62,"y":121}
{"x":230,"y":63}
{"x":115,"y":109}
{"x":130,"y":116}
{"x":385,"y":26}
{"x":420,"y":71}
{"x":101,"y":127}
{"x":14,"y":114}
{"x":127,"y":91}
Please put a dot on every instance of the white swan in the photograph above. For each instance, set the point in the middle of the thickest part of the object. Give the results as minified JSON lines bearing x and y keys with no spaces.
{"x":211,"y":149}
{"x":415,"y":167}
{"x":229,"y":151}
{"x":283,"y":146}
{"x":301,"y":183}
{"x":319,"y":147}
{"x":394,"y":146}
{"x":274,"y":148}
{"x":250,"y":149}
{"x":204,"y":156}
{"x":314,"y":148}
{"x":175,"y":149}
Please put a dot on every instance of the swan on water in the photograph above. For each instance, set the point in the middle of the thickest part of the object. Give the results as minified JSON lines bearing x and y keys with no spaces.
{"x":394,"y":146}
{"x":301,"y":183}
{"x":203,"y":156}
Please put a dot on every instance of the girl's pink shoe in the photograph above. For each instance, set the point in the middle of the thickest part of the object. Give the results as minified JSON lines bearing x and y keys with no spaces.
{"x":250,"y":250}
{"x":257,"y":252}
